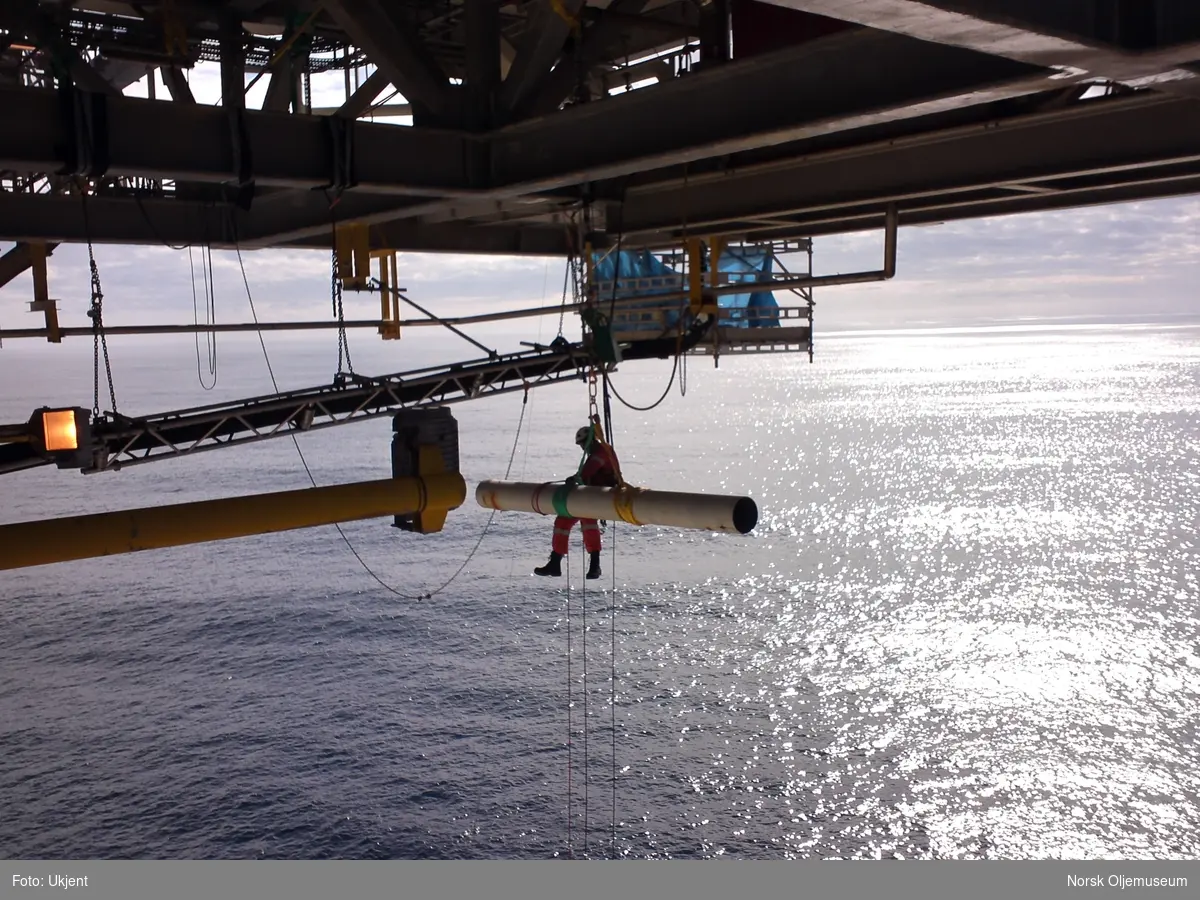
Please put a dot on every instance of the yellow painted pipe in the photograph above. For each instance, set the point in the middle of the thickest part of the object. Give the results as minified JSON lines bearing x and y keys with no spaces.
{"x":130,"y":530}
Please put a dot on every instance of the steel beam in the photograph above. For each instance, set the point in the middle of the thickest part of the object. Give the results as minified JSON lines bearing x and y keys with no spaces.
{"x":941,"y":212}
{"x":536,"y":58}
{"x":116,"y":220}
{"x":28,"y":18}
{"x":180,"y":90}
{"x":865,"y":78}
{"x":1112,"y":138}
{"x":1067,"y":37}
{"x":193,"y":143}
{"x":362,"y":98}
{"x":458,"y":237}
{"x":17,"y":260}
{"x":871,"y":78}
{"x":281,"y":88}
{"x":233,"y":63}
{"x":1124,"y":148}
{"x":158,"y":221}
{"x":611,"y":36}
{"x":482,"y":47}
{"x":395,"y":48}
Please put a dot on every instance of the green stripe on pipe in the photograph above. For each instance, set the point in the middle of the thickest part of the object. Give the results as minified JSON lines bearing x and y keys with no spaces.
{"x":560,"y":501}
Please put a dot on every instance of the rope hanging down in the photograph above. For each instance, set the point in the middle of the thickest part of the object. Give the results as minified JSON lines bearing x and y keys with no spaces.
{"x":586,"y":768}
{"x":210,"y":315}
{"x":430,"y":594}
{"x":603,"y":434}
{"x":612,"y":614}
{"x":612,"y":689}
{"x":304,"y":462}
{"x":570,"y":724}
{"x":96,"y":314}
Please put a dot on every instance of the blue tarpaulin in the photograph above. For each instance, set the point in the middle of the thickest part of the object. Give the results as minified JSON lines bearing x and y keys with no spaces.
{"x":642,"y":273}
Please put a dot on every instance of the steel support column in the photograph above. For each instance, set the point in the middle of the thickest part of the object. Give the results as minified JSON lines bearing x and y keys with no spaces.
{"x":395,"y":47}
{"x":535,"y":59}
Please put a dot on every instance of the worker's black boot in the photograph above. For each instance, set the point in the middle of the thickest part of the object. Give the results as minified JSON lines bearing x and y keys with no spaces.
{"x":594,"y":569}
{"x":554,"y":567}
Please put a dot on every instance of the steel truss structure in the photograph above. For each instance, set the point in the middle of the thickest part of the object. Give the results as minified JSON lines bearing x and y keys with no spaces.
{"x":120,"y":441}
{"x":755,"y":120}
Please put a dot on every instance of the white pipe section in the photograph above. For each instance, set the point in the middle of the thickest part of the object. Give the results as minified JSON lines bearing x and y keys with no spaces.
{"x":706,"y":512}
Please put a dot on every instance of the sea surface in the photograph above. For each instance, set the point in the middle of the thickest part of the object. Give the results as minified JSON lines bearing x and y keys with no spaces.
{"x":966,"y":626}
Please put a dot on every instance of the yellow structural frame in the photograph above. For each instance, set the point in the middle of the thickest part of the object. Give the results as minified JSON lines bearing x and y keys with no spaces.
{"x":698,"y":301}
{"x":389,"y":302}
{"x":352,"y":248}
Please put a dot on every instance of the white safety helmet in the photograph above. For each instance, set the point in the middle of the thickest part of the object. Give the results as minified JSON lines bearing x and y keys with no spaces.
{"x":583,"y":435}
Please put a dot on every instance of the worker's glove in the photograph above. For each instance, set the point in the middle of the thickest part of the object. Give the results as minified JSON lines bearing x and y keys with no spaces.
{"x":572,"y":481}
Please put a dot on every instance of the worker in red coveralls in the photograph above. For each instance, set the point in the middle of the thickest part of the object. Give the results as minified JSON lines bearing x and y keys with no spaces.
{"x":600,"y":469}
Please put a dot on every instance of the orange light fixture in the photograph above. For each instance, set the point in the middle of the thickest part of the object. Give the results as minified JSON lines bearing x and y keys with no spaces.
{"x":59,"y":430}
{"x":64,"y":435}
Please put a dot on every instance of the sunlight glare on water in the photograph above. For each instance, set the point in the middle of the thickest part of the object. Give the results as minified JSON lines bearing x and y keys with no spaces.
{"x":966,"y":626}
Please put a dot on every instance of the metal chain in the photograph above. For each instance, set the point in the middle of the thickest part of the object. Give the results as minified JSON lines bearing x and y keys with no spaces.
{"x":96,"y":314}
{"x":592,"y":408}
{"x":343,"y":341}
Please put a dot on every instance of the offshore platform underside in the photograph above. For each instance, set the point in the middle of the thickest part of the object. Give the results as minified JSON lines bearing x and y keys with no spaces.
{"x":753,"y":119}
{"x":670,"y":150}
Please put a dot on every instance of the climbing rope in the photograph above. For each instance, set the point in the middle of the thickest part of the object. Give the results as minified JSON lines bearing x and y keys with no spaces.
{"x":612,"y":681}
{"x":210,"y":315}
{"x":682,"y":357}
{"x":586,"y":768}
{"x":598,"y":433}
{"x":676,"y":364}
{"x":656,"y":403}
{"x":562,"y":310}
{"x":612,"y":650}
{"x":570,"y":724}
{"x":270,"y":371}
{"x":96,"y":314}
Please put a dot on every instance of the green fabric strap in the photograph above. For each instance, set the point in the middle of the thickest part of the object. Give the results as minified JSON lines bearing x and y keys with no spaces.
{"x":560,"y":501}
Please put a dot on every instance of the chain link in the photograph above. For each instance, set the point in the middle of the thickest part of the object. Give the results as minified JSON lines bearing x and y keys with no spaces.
{"x":592,"y":407}
{"x":96,"y":314}
{"x":343,"y":341}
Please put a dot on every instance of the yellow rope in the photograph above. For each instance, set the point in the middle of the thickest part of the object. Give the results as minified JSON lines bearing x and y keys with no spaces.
{"x":623,"y":502}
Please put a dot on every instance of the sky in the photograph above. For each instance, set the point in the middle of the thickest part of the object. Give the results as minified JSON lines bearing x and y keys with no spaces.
{"x":1134,"y":260}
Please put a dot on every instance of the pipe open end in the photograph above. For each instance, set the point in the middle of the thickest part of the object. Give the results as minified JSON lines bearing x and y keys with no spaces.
{"x":745,"y":515}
